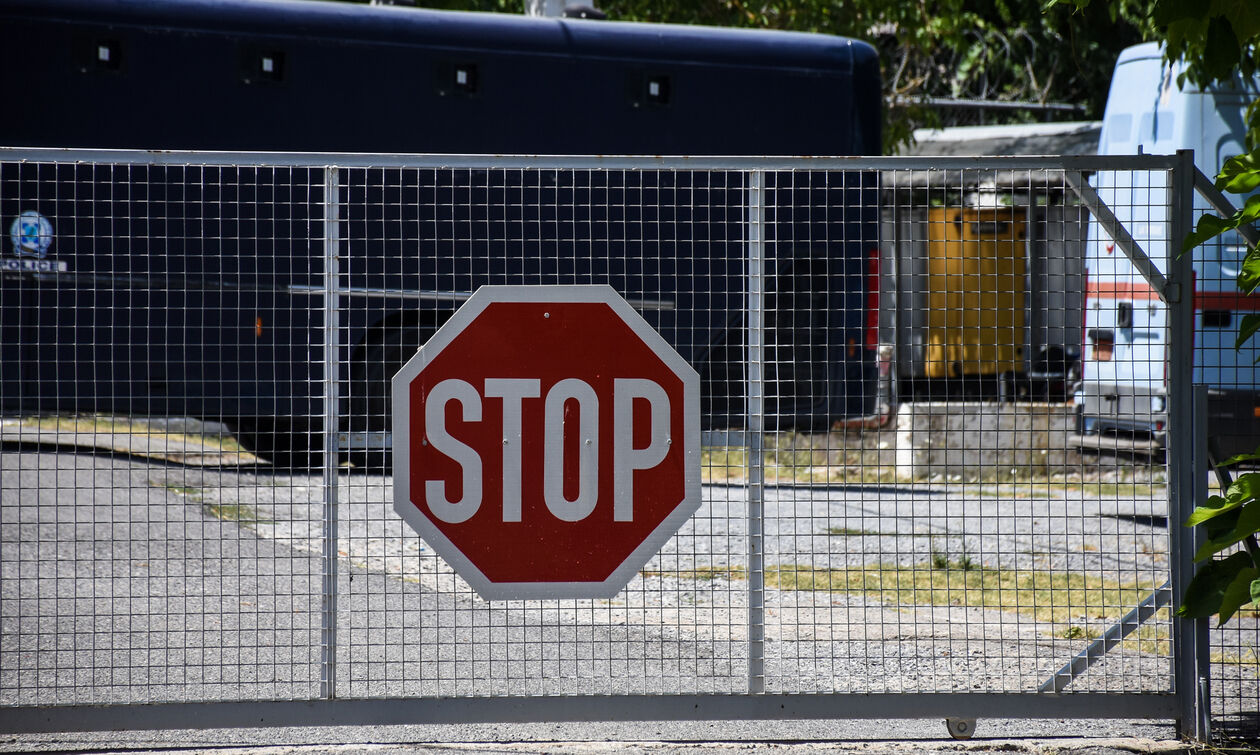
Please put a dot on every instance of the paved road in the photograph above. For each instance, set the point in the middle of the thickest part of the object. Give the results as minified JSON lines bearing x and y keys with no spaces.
{"x":134,"y":580}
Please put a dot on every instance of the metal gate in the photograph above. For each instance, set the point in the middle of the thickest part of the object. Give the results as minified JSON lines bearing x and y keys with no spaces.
{"x":196,"y":517}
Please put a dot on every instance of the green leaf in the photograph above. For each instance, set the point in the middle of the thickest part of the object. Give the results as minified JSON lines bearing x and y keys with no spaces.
{"x":1209,"y":227}
{"x":1220,"y":58}
{"x":1245,"y":487}
{"x":1238,"y":593}
{"x":1215,"y":506}
{"x":1251,"y":208}
{"x":1247,"y":524}
{"x":1239,"y":175}
{"x":1249,"y":275}
{"x":1168,"y":12}
{"x":1255,"y":591}
{"x":1221,"y":525}
{"x":1239,"y":458}
{"x":1249,"y":326}
{"x":1206,"y":590}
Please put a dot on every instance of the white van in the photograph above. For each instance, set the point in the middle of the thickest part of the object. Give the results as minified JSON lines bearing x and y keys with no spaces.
{"x":1121,"y":400}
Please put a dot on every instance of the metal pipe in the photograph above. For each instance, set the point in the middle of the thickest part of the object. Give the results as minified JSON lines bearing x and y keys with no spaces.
{"x":935,"y":164}
{"x":1180,"y":453}
{"x":1117,"y":231}
{"x":756,"y":426}
{"x":332,"y":272}
{"x":1114,"y":635}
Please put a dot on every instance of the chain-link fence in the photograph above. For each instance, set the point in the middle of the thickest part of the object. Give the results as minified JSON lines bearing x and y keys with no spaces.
{"x":908,"y":488}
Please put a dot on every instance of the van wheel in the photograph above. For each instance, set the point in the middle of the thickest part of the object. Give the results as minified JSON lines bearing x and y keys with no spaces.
{"x":295,"y":444}
{"x":371,"y":401}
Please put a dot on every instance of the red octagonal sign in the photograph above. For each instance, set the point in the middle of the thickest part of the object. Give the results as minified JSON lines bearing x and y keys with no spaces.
{"x":546,"y":442}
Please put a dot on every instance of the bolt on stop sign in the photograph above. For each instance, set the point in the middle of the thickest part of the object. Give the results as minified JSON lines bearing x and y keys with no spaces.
{"x":546,"y":442}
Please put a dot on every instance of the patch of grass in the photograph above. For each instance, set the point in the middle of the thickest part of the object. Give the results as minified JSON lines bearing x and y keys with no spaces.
{"x":228,"y":512}
{"x":186,"y":491}
{"x":1051,"y":489}
{"x":1062,"y":599}
{"x":723,"y":463}
{"x":1049,"y":597}
{"x":1052,"y":597}
{"x":1247,"y":657}
{"x":235,"y":512}
{"x":784,"y":464}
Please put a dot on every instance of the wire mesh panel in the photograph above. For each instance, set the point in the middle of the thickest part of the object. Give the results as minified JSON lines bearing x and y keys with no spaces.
{"x":674,"y":244}
{"x":912,"y":481}
{"x":146,"y":339}
{"x":1225,"y":369}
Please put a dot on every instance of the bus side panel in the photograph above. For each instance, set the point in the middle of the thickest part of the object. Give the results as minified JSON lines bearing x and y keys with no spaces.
{"x":175,"y":298}
{"x":402,"y":96}
{"x":674,"y":242}
{"x":241,"y":247}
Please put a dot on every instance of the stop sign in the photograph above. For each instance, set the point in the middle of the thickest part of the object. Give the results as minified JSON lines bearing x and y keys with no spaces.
{"x":546,"y":442}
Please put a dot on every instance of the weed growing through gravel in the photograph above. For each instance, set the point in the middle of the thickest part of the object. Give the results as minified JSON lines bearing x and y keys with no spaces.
{"x":228,"y":512}
{"x":240,"y":513}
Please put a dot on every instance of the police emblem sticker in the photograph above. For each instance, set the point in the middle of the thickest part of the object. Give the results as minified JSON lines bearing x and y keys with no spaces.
{"x":32,"y":237}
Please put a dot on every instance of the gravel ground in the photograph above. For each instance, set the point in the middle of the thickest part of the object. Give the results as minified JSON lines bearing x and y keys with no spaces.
{"x":1101,"y":745}
{"x":134,"y":580}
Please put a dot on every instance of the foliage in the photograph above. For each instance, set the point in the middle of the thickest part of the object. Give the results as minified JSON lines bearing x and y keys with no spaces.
{"x":1220,"y":45}
{"x":1006,"y":50}
{"x":1219,"y":41}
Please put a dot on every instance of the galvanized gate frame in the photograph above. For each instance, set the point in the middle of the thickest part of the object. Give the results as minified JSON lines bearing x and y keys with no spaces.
{"x":1186,"y":703}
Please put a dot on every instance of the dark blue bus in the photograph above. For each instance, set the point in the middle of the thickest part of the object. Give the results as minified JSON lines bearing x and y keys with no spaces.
{"x":194,"y":289}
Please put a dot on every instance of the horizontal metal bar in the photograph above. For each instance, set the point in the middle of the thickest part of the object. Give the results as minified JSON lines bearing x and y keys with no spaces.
{"x":1115,"y":443}
{"x":586,"y":708}
{"x":661,"y":305}
{"x":386,"y":293}
{"x":584,"y":162}
{"x":185,"y":284}
{"x":367,"y":441}
{"x":956,"y":102}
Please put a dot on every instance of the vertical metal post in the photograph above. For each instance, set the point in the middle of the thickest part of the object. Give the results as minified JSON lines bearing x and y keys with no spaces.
{"x":894,"y":309}
{"x":328,"y":612}
{"x":755,"y":427}
{"x":1179,"y":300}
{"x":1200,"y":645}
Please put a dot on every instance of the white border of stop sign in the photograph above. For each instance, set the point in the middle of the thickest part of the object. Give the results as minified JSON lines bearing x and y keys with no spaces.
{"x":626,"y":459}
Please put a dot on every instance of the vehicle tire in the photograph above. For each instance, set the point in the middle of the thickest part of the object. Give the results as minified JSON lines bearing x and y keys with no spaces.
{"x":371,"y":399}
{"x":1005,"y":389}
{"x":291,"y":444}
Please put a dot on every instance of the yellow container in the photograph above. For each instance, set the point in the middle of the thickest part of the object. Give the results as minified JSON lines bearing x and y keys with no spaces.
{"x":975,"y":288}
